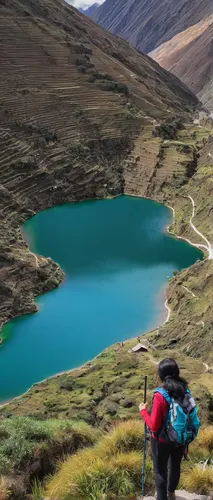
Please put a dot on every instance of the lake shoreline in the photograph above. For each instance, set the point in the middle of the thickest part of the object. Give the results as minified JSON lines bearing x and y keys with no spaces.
{"x":84,"y":365}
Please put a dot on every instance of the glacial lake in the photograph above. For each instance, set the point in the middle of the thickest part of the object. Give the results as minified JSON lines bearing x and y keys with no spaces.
{"x":117,"y":258}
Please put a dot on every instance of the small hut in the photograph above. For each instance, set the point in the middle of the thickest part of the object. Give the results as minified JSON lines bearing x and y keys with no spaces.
{"x":139,"y":348}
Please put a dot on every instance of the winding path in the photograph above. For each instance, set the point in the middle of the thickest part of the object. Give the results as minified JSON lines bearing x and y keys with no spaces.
{"x":187,"y":289}
{"x":207,"y":247}
{"x":169,"y":312}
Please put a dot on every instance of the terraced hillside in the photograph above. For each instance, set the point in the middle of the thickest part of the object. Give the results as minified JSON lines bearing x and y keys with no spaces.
{"x":175,"y":172}
{"x":73,"y":98}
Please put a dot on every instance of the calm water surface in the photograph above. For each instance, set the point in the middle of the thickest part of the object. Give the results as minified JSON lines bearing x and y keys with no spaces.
{"x":117,"y":258}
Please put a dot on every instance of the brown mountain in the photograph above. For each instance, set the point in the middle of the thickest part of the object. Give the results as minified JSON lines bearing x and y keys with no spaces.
{"x":149,"y":23}
{"x":73,"y":99}
{"x":189,"y":55}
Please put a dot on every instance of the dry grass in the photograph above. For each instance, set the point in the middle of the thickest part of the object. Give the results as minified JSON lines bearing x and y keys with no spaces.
{"x":126,"y":436}
{"x":205,"y":438}
{"x":112,"y":467}
{"x":4,"y":491}
{"x":198,"y":480}
{"x":201,"y":449}
{"x":195,"y":478}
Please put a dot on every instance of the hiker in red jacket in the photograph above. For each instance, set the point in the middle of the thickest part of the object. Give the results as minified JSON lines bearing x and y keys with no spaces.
{"x":166,"y":457}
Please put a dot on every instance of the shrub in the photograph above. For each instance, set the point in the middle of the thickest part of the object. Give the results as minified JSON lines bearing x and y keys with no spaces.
{"x":122,"y":88}
{"x":127,"y":403}
{"x":168,"y":130}
{"x":50,"y":136}
{"x":84,"y":62}
{"x":67,"y":385}
{"x":97,"y":75}
{"x":80,"y":49}
{"x":106,"y":85}
{"x":111,"y":408}
{"x":20,"y":437}
{"x":110,"y":85}
{"x":82,"y":69}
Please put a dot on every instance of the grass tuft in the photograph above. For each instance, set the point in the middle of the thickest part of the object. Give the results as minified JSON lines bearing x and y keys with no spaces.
{"x":111,"y":468}
{"x":126,"y":436}
{"x":37,"y":491}
{"x":198,"y":480}
{"x":205,"y":438}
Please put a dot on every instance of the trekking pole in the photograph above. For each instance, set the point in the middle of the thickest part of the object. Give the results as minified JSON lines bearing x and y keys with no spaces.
{"x":144,"y":444}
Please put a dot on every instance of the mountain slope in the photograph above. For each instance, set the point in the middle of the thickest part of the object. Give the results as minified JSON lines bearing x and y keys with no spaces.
{"x":147,"y":23}
{"x":189,"y":56}
{"x":90,"y":11}
{"x":73,"y":98}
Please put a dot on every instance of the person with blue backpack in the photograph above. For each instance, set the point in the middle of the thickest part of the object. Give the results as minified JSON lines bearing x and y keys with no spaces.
{"x":173,"y":423}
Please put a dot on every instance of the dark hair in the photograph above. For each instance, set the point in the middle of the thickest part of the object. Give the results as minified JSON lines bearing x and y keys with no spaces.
{"x":169,"y":373}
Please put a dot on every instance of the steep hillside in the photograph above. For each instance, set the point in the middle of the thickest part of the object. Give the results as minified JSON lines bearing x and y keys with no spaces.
{"x":73,"y":98}
{"x":106,"y":393}
{"x":90,"y":11}
{"x":189,"y":56}
{"x":147,"y":23}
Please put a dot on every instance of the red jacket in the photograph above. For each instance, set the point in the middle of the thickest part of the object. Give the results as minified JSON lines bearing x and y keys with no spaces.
{"x":159,"y":412}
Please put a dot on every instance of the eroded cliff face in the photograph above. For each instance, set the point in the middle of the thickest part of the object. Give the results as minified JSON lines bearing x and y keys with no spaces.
{"x":147,"y":23}
{"x":73,"y":100}
{"x":189,"y":56}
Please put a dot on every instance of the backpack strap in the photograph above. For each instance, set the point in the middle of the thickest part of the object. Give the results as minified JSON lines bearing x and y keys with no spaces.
{"x":162,"y":431}
{"x":164,"y":393}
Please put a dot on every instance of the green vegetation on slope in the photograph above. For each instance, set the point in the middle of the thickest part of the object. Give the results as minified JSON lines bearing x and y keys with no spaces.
{"x":109,"y":388}
{"x":30,"y":448}
{"x":110,"y":464}
{"x":169,"y":171}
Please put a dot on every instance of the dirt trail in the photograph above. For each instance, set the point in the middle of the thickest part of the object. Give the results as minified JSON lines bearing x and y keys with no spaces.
{"x":169,"y":312}
{"x":209,"y":247}
{"x":187,"y":289}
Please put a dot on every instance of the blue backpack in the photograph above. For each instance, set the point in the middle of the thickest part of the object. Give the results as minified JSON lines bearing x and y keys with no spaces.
{"x":182,"y":424}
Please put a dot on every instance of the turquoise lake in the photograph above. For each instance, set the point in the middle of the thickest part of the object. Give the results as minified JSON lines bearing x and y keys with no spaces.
{"x":117,"y":257}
